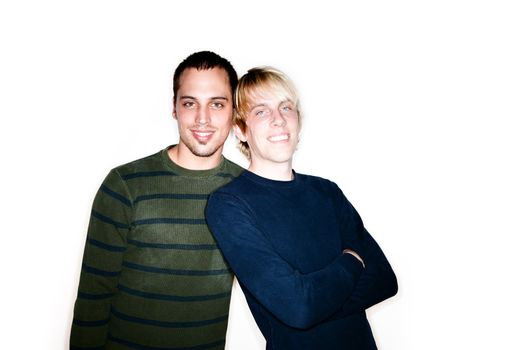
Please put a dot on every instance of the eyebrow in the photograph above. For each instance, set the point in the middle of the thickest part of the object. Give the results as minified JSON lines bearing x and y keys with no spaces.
{"x":258,"y":105}
{"x":211,"y":98}
{"x":266,"y":105}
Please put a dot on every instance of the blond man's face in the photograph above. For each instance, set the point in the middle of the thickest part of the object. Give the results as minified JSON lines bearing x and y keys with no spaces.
{"x":272,"y":130}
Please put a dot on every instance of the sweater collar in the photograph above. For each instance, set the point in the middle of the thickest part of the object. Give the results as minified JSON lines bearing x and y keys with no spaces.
{"x":188,"y":172}
{"x":272,"y":183}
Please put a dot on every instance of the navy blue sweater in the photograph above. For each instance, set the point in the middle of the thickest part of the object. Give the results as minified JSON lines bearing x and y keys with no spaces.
{"x":284,"y":242}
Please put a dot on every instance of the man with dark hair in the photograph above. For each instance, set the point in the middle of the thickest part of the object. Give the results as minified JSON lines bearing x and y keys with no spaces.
{"x":152,"y":276}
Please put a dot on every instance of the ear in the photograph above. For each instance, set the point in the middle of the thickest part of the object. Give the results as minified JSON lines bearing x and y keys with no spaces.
{"x":174,"y":111}
{"x":238,"y":133}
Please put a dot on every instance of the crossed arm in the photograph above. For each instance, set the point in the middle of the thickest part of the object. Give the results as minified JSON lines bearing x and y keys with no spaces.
{"x":300,"y":300}
{"x":378,"y":281}
{"x":297,"y":299}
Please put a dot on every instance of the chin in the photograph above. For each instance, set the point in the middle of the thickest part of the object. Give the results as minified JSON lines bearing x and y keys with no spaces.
{"x":282,"y":159}
{"x":200,"y":150}
{"x":204,"y":151}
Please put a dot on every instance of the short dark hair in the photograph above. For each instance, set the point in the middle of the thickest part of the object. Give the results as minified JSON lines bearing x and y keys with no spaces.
{"x":204,"y":60}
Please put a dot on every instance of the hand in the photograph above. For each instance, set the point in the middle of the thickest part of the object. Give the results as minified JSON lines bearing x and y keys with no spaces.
{"x":350,"y":251}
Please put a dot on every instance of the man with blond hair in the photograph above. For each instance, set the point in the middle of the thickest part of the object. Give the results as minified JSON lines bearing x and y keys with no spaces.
{"x":308,"y":267}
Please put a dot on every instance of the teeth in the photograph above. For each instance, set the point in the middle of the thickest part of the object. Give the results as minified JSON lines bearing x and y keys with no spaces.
{"x":202,"y":134}
{"x":279,"y":138}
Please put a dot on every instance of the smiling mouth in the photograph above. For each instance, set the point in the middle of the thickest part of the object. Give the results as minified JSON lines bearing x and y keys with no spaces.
{"x":202,"y":135}
{"x":279,"y":138}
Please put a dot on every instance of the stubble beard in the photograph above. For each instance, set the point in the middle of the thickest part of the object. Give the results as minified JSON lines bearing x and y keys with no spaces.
{"x":199,"y":149}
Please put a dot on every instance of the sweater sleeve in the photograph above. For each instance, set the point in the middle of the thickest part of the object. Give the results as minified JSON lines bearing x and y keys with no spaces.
{"x":297,"y":299}
{"x":378,"y":281}
{"x":101,"y":265}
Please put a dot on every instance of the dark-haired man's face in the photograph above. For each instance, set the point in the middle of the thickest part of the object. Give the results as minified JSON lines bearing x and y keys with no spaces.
{"x":203,"y":109}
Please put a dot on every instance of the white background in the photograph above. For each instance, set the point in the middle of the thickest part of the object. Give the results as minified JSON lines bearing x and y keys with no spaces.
{"x":414,"y":108}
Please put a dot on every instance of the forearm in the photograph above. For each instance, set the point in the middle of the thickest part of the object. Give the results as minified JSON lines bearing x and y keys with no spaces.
{"x":303,"y":300}
{"x":97,"y":287}
{"x":377,"y":282}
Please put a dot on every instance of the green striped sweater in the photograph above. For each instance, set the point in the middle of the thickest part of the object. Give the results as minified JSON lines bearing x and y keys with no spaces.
{"x":152,"y":276}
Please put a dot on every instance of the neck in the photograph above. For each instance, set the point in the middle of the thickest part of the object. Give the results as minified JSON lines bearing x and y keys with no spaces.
{"x":279,"y":172}
{"x":183,"y":157}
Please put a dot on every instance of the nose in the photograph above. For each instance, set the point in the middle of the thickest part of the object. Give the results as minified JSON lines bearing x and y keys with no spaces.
{"x":203,"y":116}
{"x":278,"y":118}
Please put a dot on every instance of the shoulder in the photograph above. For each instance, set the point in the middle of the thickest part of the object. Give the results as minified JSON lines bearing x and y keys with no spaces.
{"x":331,"y":190}
{"x":237,"y":187}
{"x":230,"y":201}
{"x":318,"y":183}
{"x":149,"y":164}
{"x":232,"y":168}
{"x":145,"y":167}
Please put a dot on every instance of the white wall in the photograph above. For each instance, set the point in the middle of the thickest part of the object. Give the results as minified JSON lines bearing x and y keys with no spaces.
{"x":413,"y":107}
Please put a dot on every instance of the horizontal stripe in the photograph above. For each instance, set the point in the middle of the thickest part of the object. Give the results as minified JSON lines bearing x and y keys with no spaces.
{"x":175,"y":271}
{"x":167,"y":324}
{"x":115,"y":195}
{"x":90,"y":296}
{"x":99,"y":272}
{"x":156,"y":296}
{"x":226,"y":175}
{"x":179,"y":221}
{"x":108,"y":220}
{"x":111,"y":248}
{"x":173,"y":245}
{"x":195,"y":196}
{"x":144,"y":347}
{"x":147,"y":174}
{"x":97,"y":323}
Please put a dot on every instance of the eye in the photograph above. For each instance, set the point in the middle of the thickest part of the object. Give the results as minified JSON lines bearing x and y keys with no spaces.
{"x":217,"y":105}
{"x":188,"y":104}
{"x":287,"y":108}
{"x":261,"y":112}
